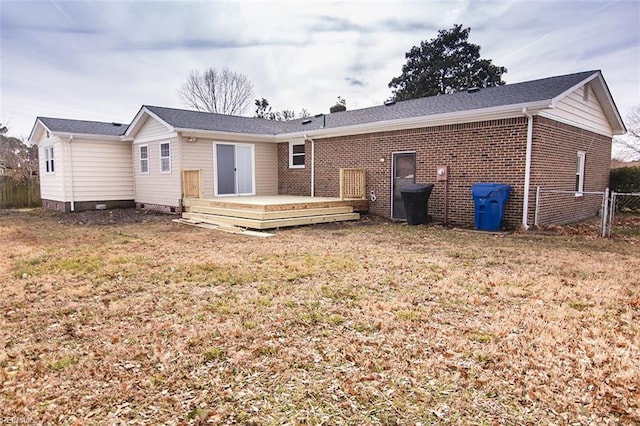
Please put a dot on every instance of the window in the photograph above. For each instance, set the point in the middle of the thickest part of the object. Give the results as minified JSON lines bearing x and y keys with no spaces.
{"x":296,"y":155}
{"x":144,"y":159}
{"x":48,"y":160}
{"x":580,"y":173}
{"x":165,"y":158}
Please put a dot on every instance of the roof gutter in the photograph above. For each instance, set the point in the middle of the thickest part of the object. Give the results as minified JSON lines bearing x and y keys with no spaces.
{"x":527,"y":170}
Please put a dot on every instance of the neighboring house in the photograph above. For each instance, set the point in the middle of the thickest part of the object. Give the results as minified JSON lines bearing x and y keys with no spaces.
{"x":616,"y":164}
{"x":554,"y":132}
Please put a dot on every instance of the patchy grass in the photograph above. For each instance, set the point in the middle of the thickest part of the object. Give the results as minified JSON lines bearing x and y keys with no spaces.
{"x":144,"y":321}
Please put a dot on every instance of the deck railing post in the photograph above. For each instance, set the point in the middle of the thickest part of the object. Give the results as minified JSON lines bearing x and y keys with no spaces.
{"x":353,"y":183}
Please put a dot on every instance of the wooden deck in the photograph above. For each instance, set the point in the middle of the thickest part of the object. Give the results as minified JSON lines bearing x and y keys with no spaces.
{"x":269,"y":212}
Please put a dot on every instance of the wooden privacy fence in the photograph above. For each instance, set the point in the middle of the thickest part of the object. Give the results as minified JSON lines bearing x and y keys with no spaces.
{"x":19,"y":193}
{"x":353,"y":183}
{"x":192,"y":183}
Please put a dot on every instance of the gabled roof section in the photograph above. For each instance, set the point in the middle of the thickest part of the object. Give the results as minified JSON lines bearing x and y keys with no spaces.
{"x":537,"y":93}
{"x":186,"y":120}
{"x":64,"y":126}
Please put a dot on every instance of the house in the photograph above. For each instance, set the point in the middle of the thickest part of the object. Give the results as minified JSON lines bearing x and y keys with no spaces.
{"x":554,"y":132}
{"x":3,"y":168}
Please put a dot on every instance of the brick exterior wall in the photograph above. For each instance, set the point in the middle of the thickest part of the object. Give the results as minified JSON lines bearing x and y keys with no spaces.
{"x":294,"y":181}
{"x":554,"y":153}
{"x":488,"y":151}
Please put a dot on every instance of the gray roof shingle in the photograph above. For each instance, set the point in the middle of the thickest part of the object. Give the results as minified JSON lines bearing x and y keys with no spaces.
{"x":186,"y":119}
{"x":500,"y":96}
{"x":509,"y":94}
{"x":64,"y":125}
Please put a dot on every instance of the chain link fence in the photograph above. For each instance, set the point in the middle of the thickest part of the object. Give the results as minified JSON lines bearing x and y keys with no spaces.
{"x":561,"y":207}
{"x":624,"y":212}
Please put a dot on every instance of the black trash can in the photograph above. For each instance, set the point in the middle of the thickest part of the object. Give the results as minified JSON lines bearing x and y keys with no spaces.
{"x":416,"y":202}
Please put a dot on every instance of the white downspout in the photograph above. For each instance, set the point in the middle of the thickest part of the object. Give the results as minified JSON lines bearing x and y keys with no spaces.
{"x":72,"y":201}
{"x":527,"y":170}
{"x":313,"y":164}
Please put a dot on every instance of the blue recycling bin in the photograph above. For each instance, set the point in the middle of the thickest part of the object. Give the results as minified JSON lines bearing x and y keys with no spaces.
{"x":489,"y":200}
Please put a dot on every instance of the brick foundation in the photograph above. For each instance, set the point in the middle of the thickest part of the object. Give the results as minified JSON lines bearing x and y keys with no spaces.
{"x":159,"y":208}
{"x":80,"y":206}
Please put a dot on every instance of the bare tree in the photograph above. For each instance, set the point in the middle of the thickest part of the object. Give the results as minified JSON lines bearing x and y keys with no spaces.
{"x":223,"y":92}
{"x":629,"y":143}
{"x":20,"y":157}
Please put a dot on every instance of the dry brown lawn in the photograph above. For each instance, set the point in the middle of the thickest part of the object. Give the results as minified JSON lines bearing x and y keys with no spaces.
{"x":146,"y":321}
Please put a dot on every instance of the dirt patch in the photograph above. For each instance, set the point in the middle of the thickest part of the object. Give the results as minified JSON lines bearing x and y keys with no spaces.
{"x":92,"y":217}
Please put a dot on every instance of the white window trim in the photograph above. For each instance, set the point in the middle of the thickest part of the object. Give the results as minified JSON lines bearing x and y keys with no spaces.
{"x":291,"y":165}
{"x":581,"y":162}
{"x":146,"y":159}
{"x":161,"y":157}
{"x":49,"y":161}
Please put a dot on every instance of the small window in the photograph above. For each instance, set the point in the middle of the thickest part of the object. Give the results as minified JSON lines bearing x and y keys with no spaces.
{"x":165,"y":158}
{"x":580,"y":173}
{"x":49,"y":160}
{"x":144,"y":159}
{"x":296,"y":155}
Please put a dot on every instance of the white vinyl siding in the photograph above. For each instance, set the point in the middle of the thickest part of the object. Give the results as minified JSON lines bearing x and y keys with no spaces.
{"x":155,"y":187}
{"x":581,"y":111}
{"x":165,"y":157}
{"x":266,"y":168}
{"x":144,"y":159}
{"x":199,"y":155}
{"x":51,"y":184}
{"x":151,"y":129}
{"x":102,"y":170}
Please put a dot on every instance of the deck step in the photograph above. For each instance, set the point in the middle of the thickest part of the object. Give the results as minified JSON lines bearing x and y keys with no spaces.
{"x":268,"y":223}
{"x":262,"y":215}
{"x":278,"y":204}
{"x":223,"y":227}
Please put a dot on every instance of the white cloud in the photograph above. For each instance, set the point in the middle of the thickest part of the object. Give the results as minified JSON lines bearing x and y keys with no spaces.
{"x":103,"y":60}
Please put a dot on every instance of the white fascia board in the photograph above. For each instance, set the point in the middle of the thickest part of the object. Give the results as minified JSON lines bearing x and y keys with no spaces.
{"x":138,"y":118}
{"x":88,"y":136}
{"x":609,"y":106}
{"x":33,"y":130}
{"x":230,"y":136}
{"x":494,"y":113}
{"x":603,"y":94}
{"x":163,"y":137}
{"x":572,"y":89}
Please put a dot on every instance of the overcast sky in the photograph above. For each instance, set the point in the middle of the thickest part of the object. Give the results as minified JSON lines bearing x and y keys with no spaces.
{"x":102,"y":60}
